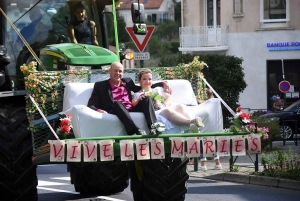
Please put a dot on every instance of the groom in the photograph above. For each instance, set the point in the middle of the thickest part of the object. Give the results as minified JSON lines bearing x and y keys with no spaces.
{"x":114,"y":96}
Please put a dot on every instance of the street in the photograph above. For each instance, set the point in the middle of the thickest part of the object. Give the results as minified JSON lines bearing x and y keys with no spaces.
{"x":54,"y":184}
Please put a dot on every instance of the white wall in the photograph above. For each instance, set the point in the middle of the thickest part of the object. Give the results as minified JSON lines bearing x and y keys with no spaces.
{"x":127,"y":17}
{"x":252,"y":48}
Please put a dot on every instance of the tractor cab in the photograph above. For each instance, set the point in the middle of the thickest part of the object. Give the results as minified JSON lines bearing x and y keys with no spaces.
{"x":39,"y":30}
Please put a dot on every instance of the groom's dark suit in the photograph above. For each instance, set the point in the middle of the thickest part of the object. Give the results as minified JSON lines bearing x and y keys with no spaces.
{"x":102,"y":98}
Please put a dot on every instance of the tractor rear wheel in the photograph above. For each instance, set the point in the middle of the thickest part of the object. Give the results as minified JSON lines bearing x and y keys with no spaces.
{"x":18,"y":178}
{"x":160,"y":180}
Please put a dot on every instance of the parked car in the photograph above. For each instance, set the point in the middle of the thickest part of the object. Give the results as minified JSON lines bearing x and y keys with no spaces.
{"x":289,"y":120}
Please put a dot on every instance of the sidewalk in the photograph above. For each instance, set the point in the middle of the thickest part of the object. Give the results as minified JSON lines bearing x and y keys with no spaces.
{"x":245,"y":168}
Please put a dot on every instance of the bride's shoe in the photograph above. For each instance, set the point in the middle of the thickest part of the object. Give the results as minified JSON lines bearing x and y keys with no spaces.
{"x":198,"y":122}
{"x":194,"y":128}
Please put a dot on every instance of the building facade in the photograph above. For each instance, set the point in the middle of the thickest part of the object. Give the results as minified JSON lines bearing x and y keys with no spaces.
{"x":156,"y":11}
{"x":264,"y":33}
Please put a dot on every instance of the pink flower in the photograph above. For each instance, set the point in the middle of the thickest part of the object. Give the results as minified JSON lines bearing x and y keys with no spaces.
{"x":266,"y":136}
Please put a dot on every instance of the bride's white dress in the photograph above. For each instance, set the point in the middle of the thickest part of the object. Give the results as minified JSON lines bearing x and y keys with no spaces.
{"x":169,"y":125}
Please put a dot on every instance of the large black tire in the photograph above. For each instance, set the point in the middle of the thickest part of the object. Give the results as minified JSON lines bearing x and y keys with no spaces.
{"x":18,"y":178}
{"x":162,"y":180}
{"x":102,"y":178}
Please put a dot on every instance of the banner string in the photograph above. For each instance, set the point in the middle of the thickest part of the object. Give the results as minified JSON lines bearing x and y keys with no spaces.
{"x":219,"y":97}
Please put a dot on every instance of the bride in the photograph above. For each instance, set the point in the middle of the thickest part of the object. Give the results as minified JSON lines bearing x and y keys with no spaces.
{"x":167,"y":111}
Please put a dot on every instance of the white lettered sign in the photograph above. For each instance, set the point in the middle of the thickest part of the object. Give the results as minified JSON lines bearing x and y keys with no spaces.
{"x":153,"y":148}
{"x":208,"y":144}
{"x":126,"y":148}
{"x":89,"y":151}
{"x":142,"y":149}
{"x":223,"y":146}
{"x":57,"y":150}
{"x":157,"y":148}
{"x":238,"y":145}
{"x":177,"y":148}
{"x":254,"y":143}
{"x":73,"y":151}
{"x":106,"y":150}
{"x":193,"y":147}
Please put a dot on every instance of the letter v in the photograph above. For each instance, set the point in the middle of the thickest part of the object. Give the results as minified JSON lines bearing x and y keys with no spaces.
{"x":55,"y":153}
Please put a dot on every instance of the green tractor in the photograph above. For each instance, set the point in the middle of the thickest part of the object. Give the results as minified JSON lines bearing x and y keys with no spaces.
{"x":53,"y":51}
{"x":22,"y":149}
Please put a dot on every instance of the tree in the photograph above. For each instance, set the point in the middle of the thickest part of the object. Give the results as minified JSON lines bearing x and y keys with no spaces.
{"x":167,"y":30}
{"x":177,"y":11}
{"x":122,"y":34}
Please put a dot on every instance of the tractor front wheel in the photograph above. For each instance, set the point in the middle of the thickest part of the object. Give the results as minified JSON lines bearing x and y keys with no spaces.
{"x":18,"y":178}
{"x":103,"y":178}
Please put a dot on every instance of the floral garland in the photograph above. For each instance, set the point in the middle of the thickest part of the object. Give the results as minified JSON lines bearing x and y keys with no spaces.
{"x":242,"y":123}
{"x":190,"y":71}
{"x":45,"y":88}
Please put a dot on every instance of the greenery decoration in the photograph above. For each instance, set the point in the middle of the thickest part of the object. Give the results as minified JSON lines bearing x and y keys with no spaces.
{"x":191,"y":71}
{"x":45,"y":88}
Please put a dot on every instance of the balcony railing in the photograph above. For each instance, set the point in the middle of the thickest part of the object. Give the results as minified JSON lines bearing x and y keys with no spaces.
{"x":203,"y":38}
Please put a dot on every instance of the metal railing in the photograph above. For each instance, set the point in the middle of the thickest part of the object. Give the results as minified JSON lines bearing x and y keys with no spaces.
{"x":203,"y":36}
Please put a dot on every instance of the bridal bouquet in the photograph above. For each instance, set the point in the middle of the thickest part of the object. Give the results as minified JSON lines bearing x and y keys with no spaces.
{"x":157,"y":99}
{"x":158,"y":128}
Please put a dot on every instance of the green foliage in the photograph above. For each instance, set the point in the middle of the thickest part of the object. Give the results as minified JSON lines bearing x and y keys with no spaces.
{"x":235,"y":168}
{"x":174,"y":47}
{"x":169,"y":60}
{"x":59,"y":24}
{"x":167,"y":31}
{"x":158,"y":48}
{"x":122,"y":33}
{"x":281,"y":164}
{"x":225,"y":74}
{"x":160,"y":42}
{"x":177,"y":11}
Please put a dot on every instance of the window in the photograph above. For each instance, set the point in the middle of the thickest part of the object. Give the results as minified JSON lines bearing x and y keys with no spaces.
{"x":152,"y":18}
{"x":274,"y":13}
{"x":212,"y":12}
{"x":291,"y":70}
{"x":165,"y":17}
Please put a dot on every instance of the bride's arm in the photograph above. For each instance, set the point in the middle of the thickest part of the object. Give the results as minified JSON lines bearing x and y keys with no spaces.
{"x":137,"y":97}
{"x":168,"y":98}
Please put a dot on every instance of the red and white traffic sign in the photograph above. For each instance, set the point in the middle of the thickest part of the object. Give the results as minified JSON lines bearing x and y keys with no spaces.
{"x":140,"y":41}
{"x":284,"y":86}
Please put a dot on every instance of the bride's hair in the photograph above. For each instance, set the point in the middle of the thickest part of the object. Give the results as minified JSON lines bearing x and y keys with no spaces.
{"x":143,"y":71}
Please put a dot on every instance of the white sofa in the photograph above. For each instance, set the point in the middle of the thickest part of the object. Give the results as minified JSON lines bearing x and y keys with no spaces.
{"x":89,"y":123}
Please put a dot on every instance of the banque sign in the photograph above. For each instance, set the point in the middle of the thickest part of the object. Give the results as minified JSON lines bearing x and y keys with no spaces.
{"x":152,"y":148}
{"x":283,"y":46}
